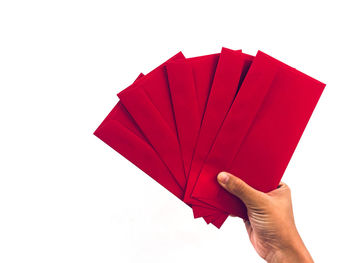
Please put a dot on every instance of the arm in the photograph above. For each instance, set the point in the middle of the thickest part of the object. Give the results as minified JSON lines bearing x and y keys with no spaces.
{"x":271,"y":226}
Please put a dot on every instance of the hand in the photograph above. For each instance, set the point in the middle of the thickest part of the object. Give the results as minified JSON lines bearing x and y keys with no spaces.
{"x":271,"y":226}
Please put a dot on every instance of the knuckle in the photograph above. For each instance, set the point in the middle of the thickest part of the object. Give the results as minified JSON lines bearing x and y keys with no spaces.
{"x":285,"y":185}
{"x":287,"y":189}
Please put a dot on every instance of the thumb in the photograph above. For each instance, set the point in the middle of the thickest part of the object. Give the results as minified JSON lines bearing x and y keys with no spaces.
{"x":239,"y":188}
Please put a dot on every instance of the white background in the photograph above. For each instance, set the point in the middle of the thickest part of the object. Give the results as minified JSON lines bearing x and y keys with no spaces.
{"x":67,"y":197}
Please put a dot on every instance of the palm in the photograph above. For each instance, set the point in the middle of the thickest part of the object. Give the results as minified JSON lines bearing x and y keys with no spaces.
{"x":259,"y":235}
{"x":265,"y":221}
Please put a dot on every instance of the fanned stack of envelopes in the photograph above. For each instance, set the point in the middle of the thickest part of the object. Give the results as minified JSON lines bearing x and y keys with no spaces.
{"x":191,"y":118}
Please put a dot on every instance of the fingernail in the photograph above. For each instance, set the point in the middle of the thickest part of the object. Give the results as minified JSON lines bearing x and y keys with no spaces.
{"x":223,"y":177}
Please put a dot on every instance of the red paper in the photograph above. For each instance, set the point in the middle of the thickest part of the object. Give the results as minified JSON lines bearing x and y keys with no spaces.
{"x":148,"y":102}
{"x":185,"y":105}
{"x":189,"y":82}
{"x":260,"y":132}
{"x":231,"y":69}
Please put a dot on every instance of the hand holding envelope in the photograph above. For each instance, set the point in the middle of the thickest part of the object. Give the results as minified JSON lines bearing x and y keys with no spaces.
{"x":191,"y":118}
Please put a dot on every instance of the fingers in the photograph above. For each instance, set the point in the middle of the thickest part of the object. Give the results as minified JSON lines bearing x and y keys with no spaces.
{"x":239,"y":188}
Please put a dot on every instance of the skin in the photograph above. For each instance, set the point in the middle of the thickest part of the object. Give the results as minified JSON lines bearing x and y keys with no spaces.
{"x":271,"y":227}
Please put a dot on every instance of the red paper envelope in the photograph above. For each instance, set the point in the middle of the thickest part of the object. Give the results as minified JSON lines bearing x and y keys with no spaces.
{"x":260,"y":132}
{"x":185,"y":105}
{"x":230,"y":72}
{"x":148,"y":101}
{"x":204,"y":68}
{"x":190,"y":82}
{"x":121,"y":133}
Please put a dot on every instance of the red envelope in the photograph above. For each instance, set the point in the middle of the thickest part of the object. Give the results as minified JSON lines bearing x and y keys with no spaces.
{"x":204,"y":68}
{"x":260,"y":132}
{"x":230,"y":72}
{"x":148,"y":102}
{"x":120,"y":132}
{"x":189,"y":82}
{"x":185,"y":105}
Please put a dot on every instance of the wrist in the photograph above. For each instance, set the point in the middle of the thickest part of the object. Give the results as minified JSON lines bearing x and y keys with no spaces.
{"x":293,"y":251}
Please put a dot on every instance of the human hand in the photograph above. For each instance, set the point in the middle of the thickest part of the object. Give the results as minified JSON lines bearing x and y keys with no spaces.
{"x":271,"y":226}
